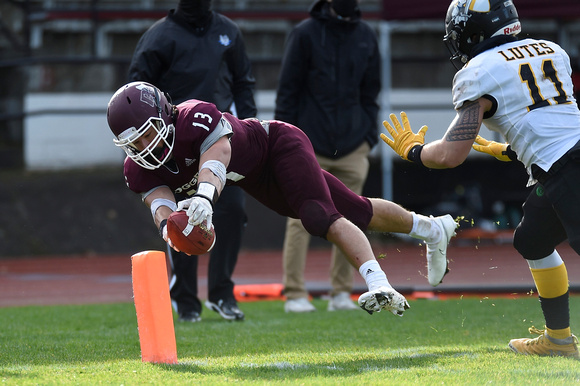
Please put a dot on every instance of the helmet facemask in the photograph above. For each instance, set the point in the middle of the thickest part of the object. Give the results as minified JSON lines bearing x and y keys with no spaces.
{"x":457,"y":58}
{"x":157,"y":152}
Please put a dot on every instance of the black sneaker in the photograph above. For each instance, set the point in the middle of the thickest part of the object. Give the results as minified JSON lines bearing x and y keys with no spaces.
{"x":190,"y":316}
{"x":228,"y":309}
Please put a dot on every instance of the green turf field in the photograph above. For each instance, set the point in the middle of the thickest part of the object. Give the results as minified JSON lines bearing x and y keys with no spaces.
{"x":458,"y":341}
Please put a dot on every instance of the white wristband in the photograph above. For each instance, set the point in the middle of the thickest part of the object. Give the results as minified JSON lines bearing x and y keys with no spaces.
{"x":155,"y":204}
{"x":208,"y":191}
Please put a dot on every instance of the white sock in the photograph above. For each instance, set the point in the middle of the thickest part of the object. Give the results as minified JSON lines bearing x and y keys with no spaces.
{"x":424,"y":228}
{"x":373,"y":274}
{"x":550,"y":261}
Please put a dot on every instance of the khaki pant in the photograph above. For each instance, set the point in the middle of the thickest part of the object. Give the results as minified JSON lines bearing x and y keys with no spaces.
{"x":352,"y":170}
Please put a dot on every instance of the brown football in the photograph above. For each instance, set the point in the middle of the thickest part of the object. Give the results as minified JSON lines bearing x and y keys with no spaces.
{"x":193,"y":240}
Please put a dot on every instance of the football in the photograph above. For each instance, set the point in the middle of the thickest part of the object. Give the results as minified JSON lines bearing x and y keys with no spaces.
{"x":193,"y":240}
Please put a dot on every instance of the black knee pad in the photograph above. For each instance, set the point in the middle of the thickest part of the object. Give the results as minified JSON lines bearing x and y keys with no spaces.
{"x":540,"y":230}
{"x":529,"y":245}
{"x":315,"y":218}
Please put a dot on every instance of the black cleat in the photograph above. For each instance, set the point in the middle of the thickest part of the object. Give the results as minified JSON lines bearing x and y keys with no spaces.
{"x":190,"y":316}
{"x":228,"y":309}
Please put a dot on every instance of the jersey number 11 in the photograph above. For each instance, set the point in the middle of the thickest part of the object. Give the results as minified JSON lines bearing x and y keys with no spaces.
{"x":527,"y":75}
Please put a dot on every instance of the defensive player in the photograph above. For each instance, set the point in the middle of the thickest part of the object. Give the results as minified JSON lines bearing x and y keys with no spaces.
{"x":193,"y":149}
{"x":521,"y":89}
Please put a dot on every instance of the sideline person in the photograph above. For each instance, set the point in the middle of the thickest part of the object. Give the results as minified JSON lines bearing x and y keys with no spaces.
{"x":328,"y":86}
{"x":195,"y":52}
{"x":521,"y":89}
{"x":194,"y":143}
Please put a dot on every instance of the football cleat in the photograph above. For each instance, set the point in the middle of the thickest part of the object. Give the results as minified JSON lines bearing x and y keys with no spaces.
{"x":190,"y":316}
{"x":227,"y":309}
{"x":544,"y":345}
{"x":341,"y":302}
{"x":437,"y":263}
{"x":383,"y":298}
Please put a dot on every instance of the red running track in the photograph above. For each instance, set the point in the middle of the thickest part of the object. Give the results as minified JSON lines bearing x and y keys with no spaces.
{"x":475,"y":268}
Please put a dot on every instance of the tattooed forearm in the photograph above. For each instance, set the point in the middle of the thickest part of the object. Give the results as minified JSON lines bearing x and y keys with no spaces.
{"x":465,"y":126}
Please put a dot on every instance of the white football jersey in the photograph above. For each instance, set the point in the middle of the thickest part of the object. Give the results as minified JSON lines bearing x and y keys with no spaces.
{"x":531,"y":82}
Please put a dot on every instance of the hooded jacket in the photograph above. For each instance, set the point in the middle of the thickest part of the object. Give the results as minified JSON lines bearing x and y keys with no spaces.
{"x":330,"y":80}
{"x":209,"y":64}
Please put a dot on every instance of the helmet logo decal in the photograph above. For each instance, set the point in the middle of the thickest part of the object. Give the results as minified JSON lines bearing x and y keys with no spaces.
{"x":147,"y":94}
{"x":460,"y":13}
{"x":480,"y":6}
{"x":511,"y":29}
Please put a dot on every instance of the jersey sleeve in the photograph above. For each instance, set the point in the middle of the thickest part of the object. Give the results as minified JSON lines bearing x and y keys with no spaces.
{"x":201,"y":124}
{"x":467,"y":86}
{"x":222,"y":129}
{"x":138,"y":179}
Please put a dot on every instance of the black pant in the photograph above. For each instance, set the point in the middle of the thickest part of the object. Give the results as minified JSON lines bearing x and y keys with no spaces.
{"x":551,"y":214}
{"x":229,"y":219}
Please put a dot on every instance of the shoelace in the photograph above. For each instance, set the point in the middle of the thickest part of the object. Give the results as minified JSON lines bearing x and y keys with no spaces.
{"x":539,"y":339}
{"x":534,"y":330}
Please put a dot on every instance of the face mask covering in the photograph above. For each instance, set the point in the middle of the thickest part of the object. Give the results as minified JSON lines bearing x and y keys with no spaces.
{"x":345,"y":8}
{"x":195,"y":12}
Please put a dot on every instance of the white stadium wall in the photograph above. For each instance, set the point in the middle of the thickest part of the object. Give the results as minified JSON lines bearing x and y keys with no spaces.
{"x":69,"y":131}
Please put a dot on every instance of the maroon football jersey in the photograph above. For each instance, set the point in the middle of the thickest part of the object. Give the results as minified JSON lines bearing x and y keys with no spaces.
{"x":272,"y":161}
{"x":195,"y":124}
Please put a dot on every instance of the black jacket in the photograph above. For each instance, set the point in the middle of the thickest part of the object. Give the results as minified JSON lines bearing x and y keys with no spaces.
{"x":212,"y":66}
{"x":330,"y":81}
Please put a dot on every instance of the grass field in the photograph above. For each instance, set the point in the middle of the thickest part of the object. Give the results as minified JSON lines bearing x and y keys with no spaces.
{"x":458,"y":341}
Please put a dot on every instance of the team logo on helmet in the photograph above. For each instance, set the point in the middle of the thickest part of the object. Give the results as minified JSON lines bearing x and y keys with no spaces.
{"x":460,"y":14}
{"x":147,"y":94}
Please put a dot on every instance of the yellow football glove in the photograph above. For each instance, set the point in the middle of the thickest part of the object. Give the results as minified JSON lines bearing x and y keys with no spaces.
{"x":501,"y":151}
{"x":403,"y":137}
